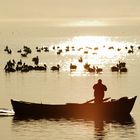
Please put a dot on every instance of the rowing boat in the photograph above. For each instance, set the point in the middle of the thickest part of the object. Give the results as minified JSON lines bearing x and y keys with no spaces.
{"x":113,"y":108}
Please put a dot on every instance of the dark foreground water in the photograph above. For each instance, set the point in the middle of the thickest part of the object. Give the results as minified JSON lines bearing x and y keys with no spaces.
{"x":42,"y":129}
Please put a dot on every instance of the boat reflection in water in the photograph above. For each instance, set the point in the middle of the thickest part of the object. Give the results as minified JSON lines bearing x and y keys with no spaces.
{"x":79,"y":128}
{"x":102,"y":128}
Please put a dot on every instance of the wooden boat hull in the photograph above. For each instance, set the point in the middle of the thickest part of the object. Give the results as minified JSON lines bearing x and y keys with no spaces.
{"x":116,"y":108}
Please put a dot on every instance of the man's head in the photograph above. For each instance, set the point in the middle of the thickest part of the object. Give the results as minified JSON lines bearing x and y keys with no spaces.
{"x":100,"y":81}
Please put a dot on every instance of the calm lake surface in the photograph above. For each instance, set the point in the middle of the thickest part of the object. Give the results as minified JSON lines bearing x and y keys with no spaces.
{"x":70,"y":87}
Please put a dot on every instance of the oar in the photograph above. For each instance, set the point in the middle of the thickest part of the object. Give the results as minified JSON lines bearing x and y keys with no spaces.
{"x":94,"y":99}
{"x":106,"y":99}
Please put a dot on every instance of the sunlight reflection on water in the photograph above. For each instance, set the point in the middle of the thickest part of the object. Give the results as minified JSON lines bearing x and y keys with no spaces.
{"x":94,"y":50}
{"x":94,"y":41}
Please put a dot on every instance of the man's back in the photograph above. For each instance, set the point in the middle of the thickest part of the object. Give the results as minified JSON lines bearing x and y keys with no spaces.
{"x":99,"y":89}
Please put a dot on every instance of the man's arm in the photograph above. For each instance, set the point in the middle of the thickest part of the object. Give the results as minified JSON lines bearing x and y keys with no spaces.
{"x":94,"y":86}
{"x":104,"y":87}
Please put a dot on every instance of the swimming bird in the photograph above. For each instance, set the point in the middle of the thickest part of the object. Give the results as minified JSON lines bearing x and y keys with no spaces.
{"x":41,"y":67}
{"x":123,"y":69}
{"x":98,"y":70}
{"x":55,"y":68}
{"x":91,"y":69}
{"x":114,"y":69}
{"x":73,"y":66}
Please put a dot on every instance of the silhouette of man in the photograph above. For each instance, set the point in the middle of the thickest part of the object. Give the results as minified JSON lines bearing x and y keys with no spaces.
{"x":99,"y":89}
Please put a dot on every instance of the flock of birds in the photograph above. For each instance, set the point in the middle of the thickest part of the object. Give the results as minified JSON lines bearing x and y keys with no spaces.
{"x":12,"y":65}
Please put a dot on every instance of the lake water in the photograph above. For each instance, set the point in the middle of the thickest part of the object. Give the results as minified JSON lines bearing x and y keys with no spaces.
{"x":68,"y":87}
